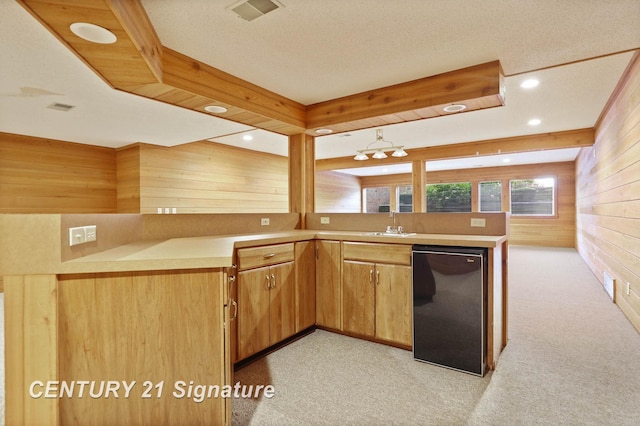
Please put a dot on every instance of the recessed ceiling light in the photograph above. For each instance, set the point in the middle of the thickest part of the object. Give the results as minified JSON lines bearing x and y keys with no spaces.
{"x":247,"y":138}
{"x":454,"y":108}
{"x":216,"y":109}
{"x":324,"y":131}
{"x":506,"y":160}
{"x":93,"y":33}
{"x":530,"y":83}
{"x":534,"y":122}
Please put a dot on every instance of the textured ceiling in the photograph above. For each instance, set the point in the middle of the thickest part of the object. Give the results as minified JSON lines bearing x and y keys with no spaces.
{"x":312,"y":51}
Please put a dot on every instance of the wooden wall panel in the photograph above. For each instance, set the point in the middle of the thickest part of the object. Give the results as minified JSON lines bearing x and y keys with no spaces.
{"x":337,"y":193}
{"x":207,"y":177}
{"x":48,"y":176}
{"x":557,"y":231}
{"x":128,"y":175}
{"x":608,"y":195}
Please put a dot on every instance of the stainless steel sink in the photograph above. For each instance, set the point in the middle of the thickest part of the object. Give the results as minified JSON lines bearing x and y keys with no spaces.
{"x":391,"y":234}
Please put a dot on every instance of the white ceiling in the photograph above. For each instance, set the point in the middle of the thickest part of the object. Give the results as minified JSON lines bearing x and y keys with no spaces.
{"x":312,"y":51}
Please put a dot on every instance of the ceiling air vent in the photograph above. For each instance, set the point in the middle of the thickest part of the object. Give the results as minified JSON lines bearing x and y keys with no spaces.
{"x":61,"y":107}
{"x":252,"y":9}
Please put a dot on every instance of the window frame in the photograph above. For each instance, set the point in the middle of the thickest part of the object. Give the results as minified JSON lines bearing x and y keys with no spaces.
{"x":480,"y":196}
{"x":554,"y":202}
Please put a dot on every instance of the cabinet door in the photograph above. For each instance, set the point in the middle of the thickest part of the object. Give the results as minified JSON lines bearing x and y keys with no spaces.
{"x":305,"y":267}
{"x":393,"y":303}
{"x":328,"y":276}
{"x":358,"y":297}
{"x":282,"y":316}
{"x":253,"y":311}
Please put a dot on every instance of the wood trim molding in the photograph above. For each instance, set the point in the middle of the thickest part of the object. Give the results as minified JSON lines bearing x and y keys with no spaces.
{"x":626,"y":75}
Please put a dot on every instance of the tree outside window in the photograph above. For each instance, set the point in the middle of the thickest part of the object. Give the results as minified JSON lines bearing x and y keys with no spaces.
{"x":449,"y":197}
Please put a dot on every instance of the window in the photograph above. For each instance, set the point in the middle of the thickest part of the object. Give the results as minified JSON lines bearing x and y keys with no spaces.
{"x":449,"y":197}
{"x":490,"y":196}
{"x":377,"y":199}
{"x":533,"y":197}
{"x":405,"y":198}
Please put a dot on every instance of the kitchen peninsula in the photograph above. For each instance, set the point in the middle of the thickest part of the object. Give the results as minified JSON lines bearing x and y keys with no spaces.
{"x":154,"y":307}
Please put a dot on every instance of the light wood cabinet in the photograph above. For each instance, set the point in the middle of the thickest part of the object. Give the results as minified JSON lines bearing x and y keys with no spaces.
{"x":266,"y":298}
{"x":305,"y":283}
{"x":328,"y":284}
{"x":376,"y":296}
{"x":150,"y":329}
{"x":394,"y":304}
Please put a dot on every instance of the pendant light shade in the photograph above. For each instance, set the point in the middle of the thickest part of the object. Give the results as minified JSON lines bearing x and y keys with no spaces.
{"x":380,"y":152}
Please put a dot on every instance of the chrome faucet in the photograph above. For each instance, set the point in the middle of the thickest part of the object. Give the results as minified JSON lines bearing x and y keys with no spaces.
{"x":395,"y":228}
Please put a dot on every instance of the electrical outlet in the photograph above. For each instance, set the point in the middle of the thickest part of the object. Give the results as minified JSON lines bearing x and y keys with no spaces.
{"x":90,"y":233}
{"x":477,"y":222}
{"x":264,"y":221}
{"x":159,"y":210}
{"x":325,"y":220}
{"x":77,"y":236}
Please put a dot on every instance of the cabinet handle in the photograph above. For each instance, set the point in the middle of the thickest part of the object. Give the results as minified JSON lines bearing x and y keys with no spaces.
{"x":273,"y":278}
{"x":269,"y":255}
{"x":377,"y":277}
{"x":230,"y":282}
{"x":370,"y":276}
{"x":268,"y":281}
{"x":317,"y":252}
{"x":235,"y":311}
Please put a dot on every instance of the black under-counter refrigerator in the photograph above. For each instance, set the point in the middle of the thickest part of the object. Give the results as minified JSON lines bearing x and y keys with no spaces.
{"x":449,"y":306}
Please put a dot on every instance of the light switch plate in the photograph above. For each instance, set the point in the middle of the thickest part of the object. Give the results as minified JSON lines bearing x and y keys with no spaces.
{"x":77,"y":236}
{"x":325,"y":220}
{"x":264,"y":221}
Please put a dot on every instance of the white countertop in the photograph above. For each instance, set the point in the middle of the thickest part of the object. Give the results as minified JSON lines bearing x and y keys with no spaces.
{"x":218,"y":251}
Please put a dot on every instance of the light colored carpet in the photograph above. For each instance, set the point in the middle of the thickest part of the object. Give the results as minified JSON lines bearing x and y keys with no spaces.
{"x":572,"y":358}
{"x":330,"y":379}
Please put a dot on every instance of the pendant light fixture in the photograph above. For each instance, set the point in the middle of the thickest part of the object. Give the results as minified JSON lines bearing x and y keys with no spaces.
{"x":380,"y":151}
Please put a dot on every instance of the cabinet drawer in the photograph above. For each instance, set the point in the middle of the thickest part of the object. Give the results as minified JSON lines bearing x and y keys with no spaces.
{"x":397,"y":254}
{"x":254,"y":257}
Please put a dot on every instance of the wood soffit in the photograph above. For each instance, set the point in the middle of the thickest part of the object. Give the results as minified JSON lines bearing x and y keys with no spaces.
{"x":138,"y":63}
{"x":545,"y":141}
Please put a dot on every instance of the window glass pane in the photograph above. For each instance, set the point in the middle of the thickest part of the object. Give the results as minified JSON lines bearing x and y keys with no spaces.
{"x":405,"y":198}
{"x":449,"y":197}
{"x":532,"y":197}
{"x":377,"y":199}
{"x":490,"y":196}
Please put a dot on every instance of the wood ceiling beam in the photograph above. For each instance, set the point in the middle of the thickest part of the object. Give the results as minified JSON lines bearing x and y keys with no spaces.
{"x":477,"y":87}
{"x":134,"y":57}
{"x":185,"y":73}
{"x":138,"y":63}
{"x":540,"y":142}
